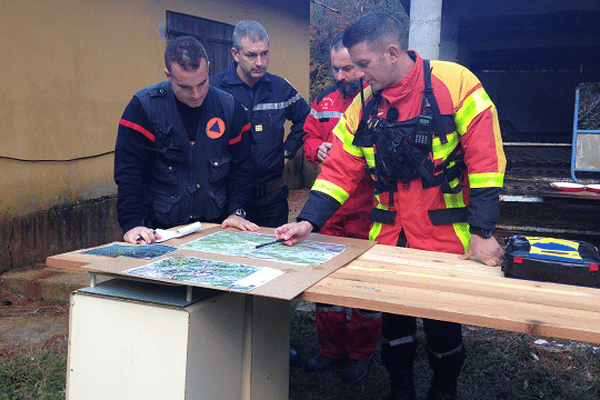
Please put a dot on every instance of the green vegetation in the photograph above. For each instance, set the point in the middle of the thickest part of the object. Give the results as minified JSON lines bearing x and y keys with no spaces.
{"x":330,"y":17}
{"x":39,"y":375}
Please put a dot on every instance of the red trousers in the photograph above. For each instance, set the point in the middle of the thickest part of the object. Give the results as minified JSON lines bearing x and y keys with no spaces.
{"x":356,"y":340}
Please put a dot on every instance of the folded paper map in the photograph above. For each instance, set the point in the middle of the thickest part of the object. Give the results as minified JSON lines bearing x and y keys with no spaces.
{"x":183,"y":231}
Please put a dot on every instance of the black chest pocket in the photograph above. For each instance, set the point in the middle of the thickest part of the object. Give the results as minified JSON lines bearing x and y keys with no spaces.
{"x":165,"y":171}
{"x":218,"y":168}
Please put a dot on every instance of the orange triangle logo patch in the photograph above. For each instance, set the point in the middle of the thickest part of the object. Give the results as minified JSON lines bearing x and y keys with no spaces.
{"x":215,"y":128}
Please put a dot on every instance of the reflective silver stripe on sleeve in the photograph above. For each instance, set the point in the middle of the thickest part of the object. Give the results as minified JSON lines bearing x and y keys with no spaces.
{"x":276,"y":106}
{"x":326,"y":114}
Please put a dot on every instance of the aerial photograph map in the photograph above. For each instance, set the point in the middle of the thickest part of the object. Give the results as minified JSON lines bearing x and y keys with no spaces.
{"x":307,"y":252}
{"x":237,"y":277}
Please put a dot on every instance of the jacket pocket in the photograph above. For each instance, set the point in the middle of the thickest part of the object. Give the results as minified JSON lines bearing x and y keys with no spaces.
{"x":165,"y":171}
{"x":218,"y":168}
{"x":217,"y":198}
{"x":165,"y":209}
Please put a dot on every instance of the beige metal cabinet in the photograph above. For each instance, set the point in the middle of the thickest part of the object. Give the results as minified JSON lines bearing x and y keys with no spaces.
{"x":134,"y":340}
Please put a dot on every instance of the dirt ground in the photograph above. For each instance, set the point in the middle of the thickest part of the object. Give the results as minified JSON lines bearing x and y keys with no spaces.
{"x":28,"y":325}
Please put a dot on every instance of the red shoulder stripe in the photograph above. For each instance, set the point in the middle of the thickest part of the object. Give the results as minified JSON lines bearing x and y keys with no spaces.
{"x":140,"y":129}
{"x":237,"y":139}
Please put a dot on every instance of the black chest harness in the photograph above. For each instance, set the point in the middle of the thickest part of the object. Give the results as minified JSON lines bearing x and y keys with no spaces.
{"x":403,"y":152}
{"x":403,"y":148}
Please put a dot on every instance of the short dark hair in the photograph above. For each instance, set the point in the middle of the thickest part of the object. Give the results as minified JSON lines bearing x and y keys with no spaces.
{"x":186,"y":51}
{"x":336,"y":43}
{"x":248,"y":29}
{"x":373,"y":27}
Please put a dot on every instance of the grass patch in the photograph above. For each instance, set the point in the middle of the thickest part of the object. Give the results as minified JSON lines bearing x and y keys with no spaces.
{"x":39,"y":375}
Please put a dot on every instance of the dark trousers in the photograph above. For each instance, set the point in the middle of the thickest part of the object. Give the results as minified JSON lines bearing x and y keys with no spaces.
{"x":271,"y":215}
{"x":400,"y":331}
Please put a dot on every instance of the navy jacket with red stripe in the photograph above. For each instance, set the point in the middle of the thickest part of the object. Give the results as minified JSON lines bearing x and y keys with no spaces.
{"x":165,"y":179}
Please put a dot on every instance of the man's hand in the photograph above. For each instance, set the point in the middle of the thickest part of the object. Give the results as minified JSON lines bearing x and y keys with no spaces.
{"x":294,"y":232}
{"x":235,"y":221}
{"x":487,"y":250}
{"x":323,"y":151}
{"x":141,"y":235}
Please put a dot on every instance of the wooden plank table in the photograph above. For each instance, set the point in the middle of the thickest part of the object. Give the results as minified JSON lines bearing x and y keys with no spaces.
{"x":441,"y":286}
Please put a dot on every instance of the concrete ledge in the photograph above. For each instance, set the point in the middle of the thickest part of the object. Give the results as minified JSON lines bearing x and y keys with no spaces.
{"x":29,"y":239}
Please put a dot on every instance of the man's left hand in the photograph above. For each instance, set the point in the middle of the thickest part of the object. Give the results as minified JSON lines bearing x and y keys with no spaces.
{"x":487,"y":250}
{"x":235,"y":221}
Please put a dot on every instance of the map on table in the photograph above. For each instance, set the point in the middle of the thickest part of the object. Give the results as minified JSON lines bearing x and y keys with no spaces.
{"x":133,"y":251}
{"x":239,"y":277}
{"x":307,"y":252}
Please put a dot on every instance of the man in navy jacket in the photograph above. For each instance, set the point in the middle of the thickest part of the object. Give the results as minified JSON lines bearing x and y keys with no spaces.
{"x":270,"y":101}
{"x":183,"y":151}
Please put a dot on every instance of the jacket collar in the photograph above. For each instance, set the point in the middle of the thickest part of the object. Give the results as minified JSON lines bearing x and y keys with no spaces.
{"x":231,"y":77}
{"x":406,"y":87}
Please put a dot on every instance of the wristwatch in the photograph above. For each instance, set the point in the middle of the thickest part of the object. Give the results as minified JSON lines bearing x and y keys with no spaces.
{"x":288,"y":154}
{"x":240,"y":212}
{"x":484,"y":233}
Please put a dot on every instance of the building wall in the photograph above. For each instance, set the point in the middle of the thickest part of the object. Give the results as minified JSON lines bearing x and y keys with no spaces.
{"x":69,"y":69}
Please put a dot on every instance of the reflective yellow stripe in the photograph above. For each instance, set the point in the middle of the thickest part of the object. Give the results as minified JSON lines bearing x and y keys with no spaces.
{"x":477,"y":102}
{"x":375,"y":230}
{"x":441,"y":151}
{"x":460,"y":228}
{"x":369,"y":154}
{"x":462,"y":231}
{"x":486,"y":179}
{"x":331,"y":190}
{"x":341,"y":132}
{"x":377,"y":226}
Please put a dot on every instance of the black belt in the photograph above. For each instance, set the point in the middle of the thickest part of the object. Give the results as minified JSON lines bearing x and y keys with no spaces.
{"x":268,"y":187}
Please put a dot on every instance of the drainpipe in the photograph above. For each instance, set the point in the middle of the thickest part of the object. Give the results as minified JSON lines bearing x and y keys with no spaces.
{"x":425,"y":25}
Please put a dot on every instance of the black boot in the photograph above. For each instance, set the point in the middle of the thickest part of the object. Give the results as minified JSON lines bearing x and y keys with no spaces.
{"x":399,"y":362}
{"x":446,"y":369}
{"x":402,"y":386}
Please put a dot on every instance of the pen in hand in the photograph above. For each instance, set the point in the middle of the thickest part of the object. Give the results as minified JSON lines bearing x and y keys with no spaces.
{"x":268,"y":243}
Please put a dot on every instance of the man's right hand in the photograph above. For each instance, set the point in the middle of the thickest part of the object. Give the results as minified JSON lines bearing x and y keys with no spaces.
{"x":294,"y":232}
{"x":323,"y":151}
{"x":140,"y":235}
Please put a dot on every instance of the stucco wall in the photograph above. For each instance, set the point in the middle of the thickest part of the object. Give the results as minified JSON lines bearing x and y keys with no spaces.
{"x":69,"y":70}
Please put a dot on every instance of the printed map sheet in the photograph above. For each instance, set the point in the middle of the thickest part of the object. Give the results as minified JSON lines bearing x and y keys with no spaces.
{"x":126,"y":250}
{"x":195,"y":270}
{"x":225,"y":260}
{"x":307,"y":252}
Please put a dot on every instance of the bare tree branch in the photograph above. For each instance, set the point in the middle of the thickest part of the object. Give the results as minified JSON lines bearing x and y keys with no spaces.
{"x":325,"y":6}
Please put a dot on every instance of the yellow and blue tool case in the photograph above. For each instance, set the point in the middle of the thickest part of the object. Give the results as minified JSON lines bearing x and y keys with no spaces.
{"x":553,"y":260}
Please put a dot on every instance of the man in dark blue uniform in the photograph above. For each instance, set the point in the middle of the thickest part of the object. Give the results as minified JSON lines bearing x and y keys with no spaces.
{"x":270,"y":101}
{"x":183,"y":151}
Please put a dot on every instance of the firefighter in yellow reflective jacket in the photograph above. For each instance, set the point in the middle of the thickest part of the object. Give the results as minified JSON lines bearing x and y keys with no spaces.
{"x":428,"y":135}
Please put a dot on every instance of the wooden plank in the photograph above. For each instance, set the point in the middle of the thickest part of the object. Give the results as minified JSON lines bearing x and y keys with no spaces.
{"x":441,"y":286}
{"x":477,"y":310}
{"x":461,"y":282}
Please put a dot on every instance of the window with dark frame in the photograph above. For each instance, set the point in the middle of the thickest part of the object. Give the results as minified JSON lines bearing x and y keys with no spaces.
{"x":214,"y":36}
